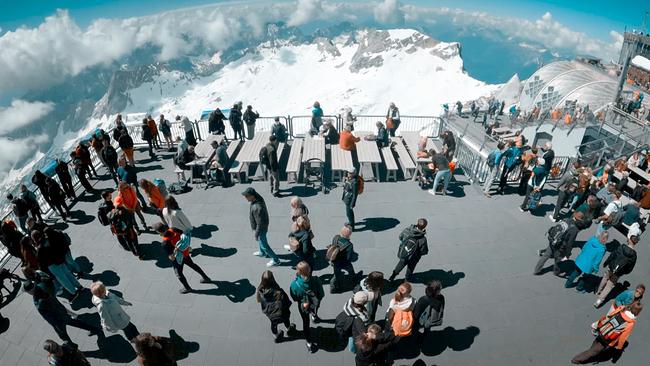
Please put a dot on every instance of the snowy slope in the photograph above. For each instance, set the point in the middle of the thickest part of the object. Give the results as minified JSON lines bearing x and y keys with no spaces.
{"x":365,"y":71}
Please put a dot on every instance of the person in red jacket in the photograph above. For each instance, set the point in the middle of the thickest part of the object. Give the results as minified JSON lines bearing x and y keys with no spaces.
{"x":611,"y":331}
{"x":170,"y":239}
{"x":347,"y":140}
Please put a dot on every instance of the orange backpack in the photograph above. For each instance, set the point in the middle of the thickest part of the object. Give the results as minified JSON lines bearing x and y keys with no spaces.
{"x":402,"y":323}
{"x":360,"y":184}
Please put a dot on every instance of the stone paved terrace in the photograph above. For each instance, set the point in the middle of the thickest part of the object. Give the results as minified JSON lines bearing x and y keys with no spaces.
{"x":482,"y":250}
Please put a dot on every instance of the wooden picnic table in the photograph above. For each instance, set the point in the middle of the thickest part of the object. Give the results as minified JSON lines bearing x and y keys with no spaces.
{"x":368,"y":153}
{"x":341,"y":161}
{"x":250,"y":152}
{"x":501,"y":130}
{"x":641,"y":174}
{"x":204,"y":148}
{"x":313,"y":148}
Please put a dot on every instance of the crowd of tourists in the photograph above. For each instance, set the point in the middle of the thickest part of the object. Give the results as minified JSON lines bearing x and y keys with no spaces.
{"x":51,"y":273}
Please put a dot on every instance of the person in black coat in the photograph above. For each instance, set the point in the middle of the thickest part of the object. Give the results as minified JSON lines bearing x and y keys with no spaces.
{"x":301,"y":233}
{"x":343,"y":260}
{"x":415,"y":235}
{"x":215,"y":122}
{"x":63,"y":172}
{"x":58,"y":198}
{"x":372,"y":347}
{"x":109,"y":155}
{"x":350,"y":193}
{"x":275,"y":304}
{"x":619,"y":263}
{"x":147,"y":136}
{"x":432,"y":299}
{"x":40,"y":180}
{"x":32,"y":202}
{"x":80,"y":172}
{"x":561,"y":250}
{"x":10,"y":237}
{"x":236,"y":122}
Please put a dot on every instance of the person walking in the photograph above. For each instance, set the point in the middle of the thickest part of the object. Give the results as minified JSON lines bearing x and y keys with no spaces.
{"x":259,"y":220}
{"x":40,"y":180}
{"x":51,"y":253}
{"x":57,"y":196}
{"x":166,"y":130}
{"x":512,"y":158}
{"x":619,"y":263}
{"x":307,"y":291}
{"x":61,"y":242}
{"x":393,"y":119}
{"x":123,"y":226}
{"x":63,"y":172}
{"x":448,"y":145}
{"x":189,"y":130}
{"x":109,"y":307}
{"x":566,"y":189}
{"x":215,"y":122}
{"x":109,"y":155}
{"x":350,"y":194}
{"x":126,"y":144}
{"x":588,"y":261}
{"x":298,"y":208}
{"x":32,"y":202}
{"x":177,"y":246}
{"x":249,"y":118}
{"x":352,"y":321}
{"x":399,"y":316}
{"x":300,"y":241}
{"x":147,"y":136}
{"x":374,"y":284}
{"x":316,"y":119}
{"x":127,"y":197}
{"x":276,"y":305}
{"x":430,"y":308}
{"x":340,"y":257}
{"x":80,"y":172}
{"x":273,"y":165}
{"x":41,"y":287}
{"x":494,"y":164}
{"x":279,"y":131}
{"x":66,"y":354}
{"x":612,"y":331}
{"x":235,"y":122}
{"x":156,"y":197}
{"x":561,"y":238}
{"x":128,"y":173}
{"x":413,"y":245}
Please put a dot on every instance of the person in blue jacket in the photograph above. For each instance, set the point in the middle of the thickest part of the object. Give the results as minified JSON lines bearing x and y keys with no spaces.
{"x":316,"y":119}
{"x":511,"y":158}
{"x":588,"y":261}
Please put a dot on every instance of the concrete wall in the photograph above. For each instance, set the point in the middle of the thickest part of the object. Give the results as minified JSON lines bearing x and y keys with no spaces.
{"x":562,"y":144}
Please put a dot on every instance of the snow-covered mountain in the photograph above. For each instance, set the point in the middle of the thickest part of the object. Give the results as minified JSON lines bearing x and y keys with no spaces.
{"x":283,"y":72}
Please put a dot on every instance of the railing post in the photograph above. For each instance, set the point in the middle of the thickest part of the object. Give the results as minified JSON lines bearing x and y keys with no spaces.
{"x":195,"y":125}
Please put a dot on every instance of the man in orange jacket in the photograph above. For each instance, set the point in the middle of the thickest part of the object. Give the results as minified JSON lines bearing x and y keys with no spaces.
{"x":612,"y":331}
{"x":347,"y":140}
{"x":126,"y":196}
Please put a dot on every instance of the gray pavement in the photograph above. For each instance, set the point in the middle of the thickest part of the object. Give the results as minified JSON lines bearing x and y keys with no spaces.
{"x":482,"y":249}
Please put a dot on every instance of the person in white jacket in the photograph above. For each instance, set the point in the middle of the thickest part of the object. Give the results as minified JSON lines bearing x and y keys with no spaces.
{"x":174,"y":216}
{"x":111,"y":314}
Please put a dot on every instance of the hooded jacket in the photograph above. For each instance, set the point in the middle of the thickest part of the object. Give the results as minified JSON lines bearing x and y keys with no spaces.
{"x":258,"y":216}
{"x":591,"y":255}
{"x":279,"y":131}
{"x":215,"y":121}
{"x":307,"y":291}
{"x":176,"y":219}
{"x":413,"y":232}
{"x":275,"y":303}
{"x":113,"y":317}
{"x":350,"y":191}
{"x":304,"y":238}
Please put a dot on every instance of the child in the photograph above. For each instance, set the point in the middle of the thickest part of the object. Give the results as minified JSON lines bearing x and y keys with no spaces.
{"x":109,"y":308}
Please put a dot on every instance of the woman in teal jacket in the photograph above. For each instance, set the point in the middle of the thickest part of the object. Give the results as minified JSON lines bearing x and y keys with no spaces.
{"x":307,"y":291}
{"x":588,"y":262}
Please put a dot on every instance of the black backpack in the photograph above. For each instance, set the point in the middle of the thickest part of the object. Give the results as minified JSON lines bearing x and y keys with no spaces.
{"x":343,"y":325}
{"x":407,"y":249}
{"x":431,"y":317}
{"x":179,"y":187}
{"x":556,"y":234}
{"x":264,"y":156}
{"x":102,"y":214}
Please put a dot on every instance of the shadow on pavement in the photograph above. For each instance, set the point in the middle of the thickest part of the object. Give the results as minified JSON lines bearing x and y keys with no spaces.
{"x":377,"y":224}
{"x":436,"y":342}
{"x":210,"y":251}
{"x":236,"y":291}
{"x":204,"y":231}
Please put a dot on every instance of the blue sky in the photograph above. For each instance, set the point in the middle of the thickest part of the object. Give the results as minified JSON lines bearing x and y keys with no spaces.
{"x":596,"y":17}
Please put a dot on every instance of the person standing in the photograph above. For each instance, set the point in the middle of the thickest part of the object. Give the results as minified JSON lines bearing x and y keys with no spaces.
{"x":20,"y":208}
{"x":120,"y":127}
{"x":612,"y":331}
{"x":124,"y":228}
{"x":275,"y":304}
{"x":548,"y":156}
{"x":307,"y":291}
{"x":217,"y":162}
{"x":448,"y":145}
{"x":373,"y":283}
{"x":350,"y":194}
{"x":57,"y":196}
{"x":588,"y":261}
{"x":128,"y":173}
{"x":342,"y":260}
{"x":127,"y":197}
{"x":619,"y":263}
{"x":279,"y":131}
{"x":80,"y":172}
{"x":512,"y":158}
{"x":249,"y":118}
{"x":40,"y":180}
{"x":429,"y":309}
{"x":175,"y":217}
{"x":534,"y":186}
{"x":215,"y":122}
{"x":235,"y":122}
{"x":147,"y":136}
{"x":84,"y":153}
{"x":273,"y":165}
{"x":155,"y":137}
{"x":629,"y":296}
{"x":352,"y":321}
{"x":32,"y":202}
{"x":566,"y":188}
{"x":393,"y":119}
{"x":440,"y":164}
{"x":41,"y":287}
{"x":63,"y":172}
{"x":347,"y":141}
{"x":372,"y":347}
{"x":156,"y":197}
{"x":259,"y":220}
{"x":316,"y":119}
{"x":300,"y":239}
{"x":399,"y":317}
{"x":109,"y":155}
{"x":382,"y":139}
{"x":109,"y":307}
{"x":66,"y":354}
{"x":494,"y":163}
{"x":298,"y":208}
{"x":176,"y":245}
{"x":154,"y":350}
{"x":560,"y":242}
{"x":126,"y":144}
{"x":166,"y":130}
{"x":611,"y":213}
{"x":413,"y":245}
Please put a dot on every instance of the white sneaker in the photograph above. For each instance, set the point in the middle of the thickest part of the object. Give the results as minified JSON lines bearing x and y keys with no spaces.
{"x":550,"y":216}
{"x":598,"y":303}
{"x":273,"y":263}
{"x":287,"y":247}
{"x":431,"y":192}
{"x":258,"y":254}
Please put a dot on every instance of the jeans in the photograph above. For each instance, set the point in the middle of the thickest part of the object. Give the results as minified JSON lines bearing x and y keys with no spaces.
{"x":68,"y":187}
{"x":596,"y":348}
{"x":492,"y":176}
{"x":274,"y":181}
{"x":265,"y":249}
{"x":337,"y":277}
{"x":562,"y":198}
{"x":63,"y":275}
{"x":548,"y":254}
{"x":150,"y":146}
{"x":410,"y":267}
{"x":22,"y":222}
{"x":572,"y":277}
{"x":444,"y":175}
{"x":351,"y":346}
{"x":36,"y":213}
{"x":606,"y":285}
{"x":528,"y":195}
{"x":178,"y":270}
{"x":111,"y":171}
{"x":504,"y":176}
{"x":349,"y":213}
{"x":304,"y":315}
{"x":239,"y":132}
{"x":85,"y":183}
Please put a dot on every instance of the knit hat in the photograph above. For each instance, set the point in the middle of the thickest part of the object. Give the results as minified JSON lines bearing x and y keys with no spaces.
{"x":363,"y":297}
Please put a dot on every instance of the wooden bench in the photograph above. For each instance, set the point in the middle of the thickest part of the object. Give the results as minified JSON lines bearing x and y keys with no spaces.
{"x":368,"y":154}
{"x":341,"y":162}
{"x":404,"y":158}
{"x":391,"y":164}
{"x":234,"y":166}
{"x":294,"y":161}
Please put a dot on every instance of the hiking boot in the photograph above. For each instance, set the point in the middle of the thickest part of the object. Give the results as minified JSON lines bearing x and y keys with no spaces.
{"x":205,"y":280}
{"x":279,"y":336}
{"x":185,"y":290}
{"x":292,"y":329}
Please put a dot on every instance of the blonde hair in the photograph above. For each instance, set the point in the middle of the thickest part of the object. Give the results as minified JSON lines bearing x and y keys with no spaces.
{"x":303,"y":269}
{"x":345,"y":232}
{"x":403,"y":291}
{"x":98,"y":289}
{"x":295,"y":201}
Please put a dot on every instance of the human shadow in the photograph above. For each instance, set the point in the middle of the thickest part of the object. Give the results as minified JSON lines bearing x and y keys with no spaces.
{"x":210,"y":251}
{"x":236,"y":291}
{"x":86,"y":196}
{"x":108,"y":278}
{"x":610,"y":354}
{"x":436,"y":342}
{"x":82,"y":301}
{"x":114,"y":348}
{"x":328,"y":339}
{"x":147,"y":168}
{"x":542,"y":210}
{"x":446,"y":278}
{"x":377,"y":224}
{"x":204,"y":231}
{"x":4,"y":324}
{"x":81,"y":218}
{"x":182,"y":348}
{"x":154,"y":251}
{"x":300,"y":191}
{"x":16,"y":284}
{"x":320,"y":262}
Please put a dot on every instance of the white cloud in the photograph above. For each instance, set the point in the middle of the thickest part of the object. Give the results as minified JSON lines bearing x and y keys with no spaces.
{"x":389,"y":12}
{"x":21,"y":113}
{"x":306,"y":10}
{"x":14,"y":150}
